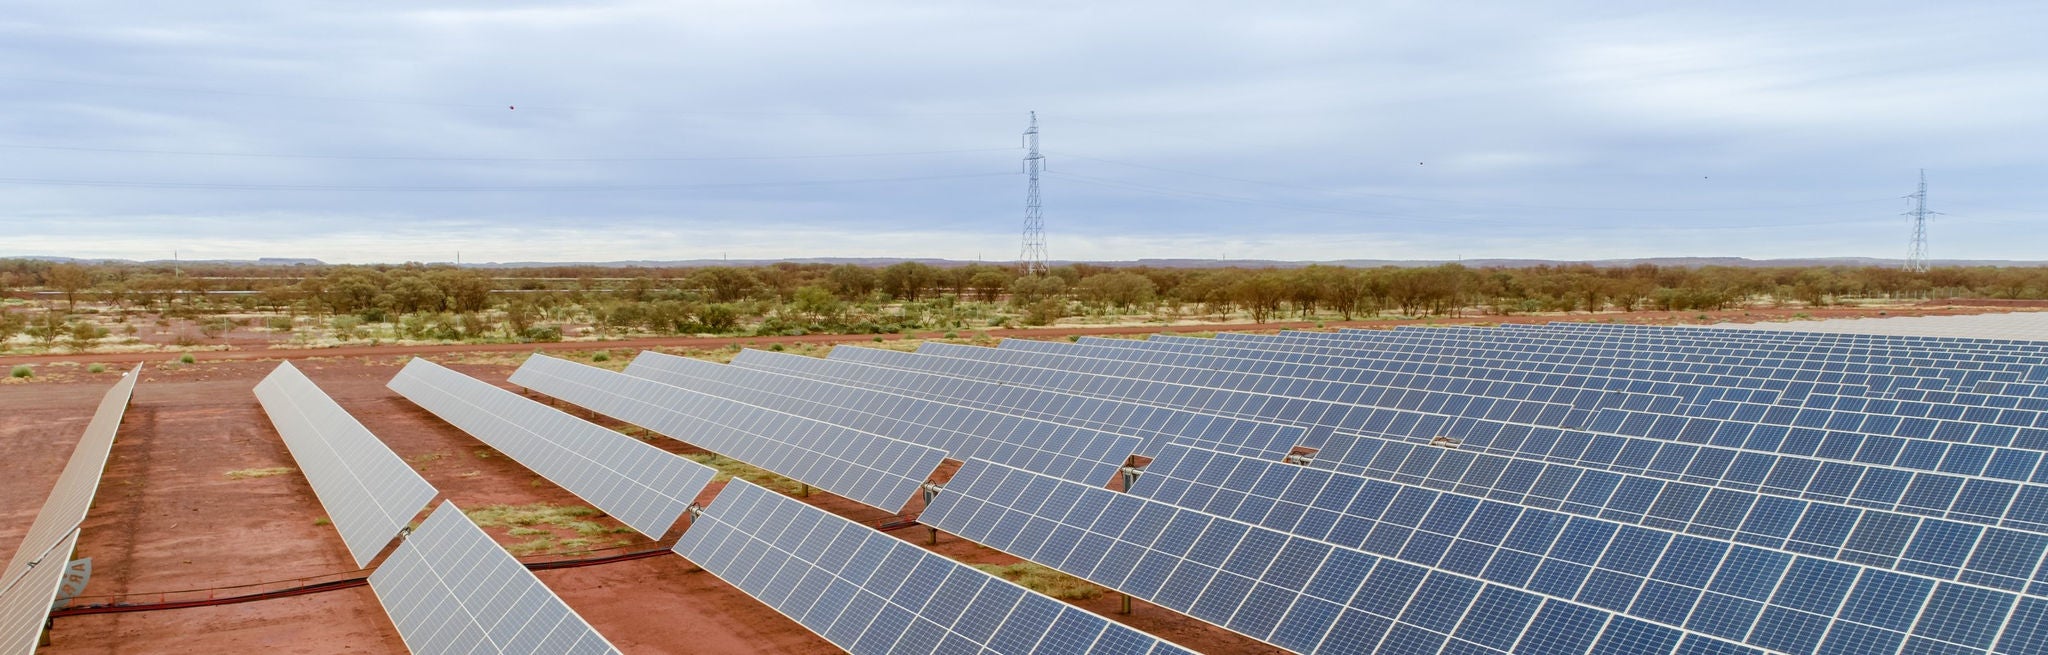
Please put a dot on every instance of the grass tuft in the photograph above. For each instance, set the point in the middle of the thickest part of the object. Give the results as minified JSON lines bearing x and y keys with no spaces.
{"x":96,"y":368}
{"x":499,"y":516}
{"x":245,"y":474}
{"x":186,"y":358}
{"x":1043,"y":580}
{"x":23,"y":371}
{"x":731,"y":468}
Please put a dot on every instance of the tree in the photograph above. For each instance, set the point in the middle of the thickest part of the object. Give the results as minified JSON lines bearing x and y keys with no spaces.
{"x":852,"y":282}
{"x":70,"y":279}
{"x":1260,"y":294}
{"x":989,"y":283}
{"x":1121,"y":289}
{"x":10,"y":324}
{"x":83,"y":335}
{"x":1030,"y":289}
{"x":726,"y":284}
{"x":909,"y":280}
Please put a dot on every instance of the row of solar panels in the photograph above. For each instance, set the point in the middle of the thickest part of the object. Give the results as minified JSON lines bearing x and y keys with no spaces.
{"x":1932,"y":628}
{"x":2014,"y":551}
{"x":29,"y":585}
{"x":450,"y":589}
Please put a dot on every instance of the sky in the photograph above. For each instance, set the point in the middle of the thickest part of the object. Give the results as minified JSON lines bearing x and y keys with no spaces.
{"x":365,"y":132}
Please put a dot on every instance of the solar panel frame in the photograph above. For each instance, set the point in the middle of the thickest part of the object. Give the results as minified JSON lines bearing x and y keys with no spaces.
{"x":368,"y":493}
{"x":29,"y":583}
{"x":643,"y":486}
{"x":870,"y":469}
{"x":885,"y":595}
{"x":450,"y":589}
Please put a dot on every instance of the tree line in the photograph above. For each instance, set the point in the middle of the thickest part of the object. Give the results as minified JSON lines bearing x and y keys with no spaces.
{"x":445,"y":302}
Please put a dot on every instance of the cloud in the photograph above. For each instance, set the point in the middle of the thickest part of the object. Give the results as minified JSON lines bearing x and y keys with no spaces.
{"x":1333,"y":130}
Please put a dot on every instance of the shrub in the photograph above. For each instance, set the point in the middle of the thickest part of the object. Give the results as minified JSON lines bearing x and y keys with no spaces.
{"x":23,"y":371}
{"x":548,"y":333}
{"x":601,"y":357}
{"x":186,"y":358}
{"x":278,"y":323}
{"x":96,"y":368}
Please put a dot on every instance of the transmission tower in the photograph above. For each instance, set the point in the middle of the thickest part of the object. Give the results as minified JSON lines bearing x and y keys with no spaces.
{"x":1032,"y":258}
{"x":1916,"y":252}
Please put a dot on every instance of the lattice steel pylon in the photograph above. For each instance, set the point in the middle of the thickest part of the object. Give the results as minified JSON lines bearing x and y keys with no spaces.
{"x":1031,"y":259}
{"x":1916,"y":252}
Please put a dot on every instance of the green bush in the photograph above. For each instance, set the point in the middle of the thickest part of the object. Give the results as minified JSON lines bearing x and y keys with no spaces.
{"x":548,"y":333}
{"x":278,"y":323}
{"x":186,"y":358}
{"x":23,"y":371}
{"x":96,"y":368}
{"x":601,"y":357}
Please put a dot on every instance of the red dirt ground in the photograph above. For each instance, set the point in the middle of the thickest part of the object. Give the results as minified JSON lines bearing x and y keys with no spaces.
{"x":167,"y":518}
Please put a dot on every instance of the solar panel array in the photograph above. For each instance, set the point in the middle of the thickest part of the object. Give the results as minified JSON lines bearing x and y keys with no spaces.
{"x":643,"y":486}
{"x":29,"y":583}
{"x":868,"y":592}
{"x":870,"y":469}
{"x":1065,"y":451}
{"x":368,"y":492}
{"x":1748,"y":491}
{"x":450,"y":589}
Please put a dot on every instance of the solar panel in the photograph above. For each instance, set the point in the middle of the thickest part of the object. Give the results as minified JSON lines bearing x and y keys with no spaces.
{"x":870,"y":469}
{"x":1609,"y":562}
{"x":450,"y":589}
{"x":643,"y":486}
{"x":29,"y":583}
{"x":1154,"y":424}
{"x":868,"y":592}
{"x":1301,"y":594}
{"x":368,"y":492}
{"x":1065,"y":451}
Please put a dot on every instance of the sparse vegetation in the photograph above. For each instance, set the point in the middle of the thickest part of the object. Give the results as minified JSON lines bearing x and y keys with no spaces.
{"x":246,"y":474}
{"x":22,"y":371}
{"x":323,"y":521}
{"x":541,"y":525}
{"x":314,"y":306}
{"x":731,"y":468}
{"x":96,"y":368}
{"x":1044,"y":580}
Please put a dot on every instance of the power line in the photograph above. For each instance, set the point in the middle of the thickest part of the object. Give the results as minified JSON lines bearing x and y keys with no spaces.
{"x":1323,"y":209}
{"x":1498,"y":205}
{"x":343,"y":187}
{"x":195,"y":153}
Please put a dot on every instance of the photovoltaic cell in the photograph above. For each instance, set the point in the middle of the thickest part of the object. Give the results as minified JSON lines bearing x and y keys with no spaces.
{"x":451,"y":590}
{"x":870,"y":469}
{"x":369,"y":493}
{"x":868,"y":592}
{"x":29,"y":583}
{"x":643,"y":486}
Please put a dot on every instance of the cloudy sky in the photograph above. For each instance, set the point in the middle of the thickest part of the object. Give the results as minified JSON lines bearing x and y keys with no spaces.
{"x":595,"y":131}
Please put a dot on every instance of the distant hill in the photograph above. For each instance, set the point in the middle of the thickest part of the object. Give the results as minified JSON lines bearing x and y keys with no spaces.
{"x":1683,"y":262}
